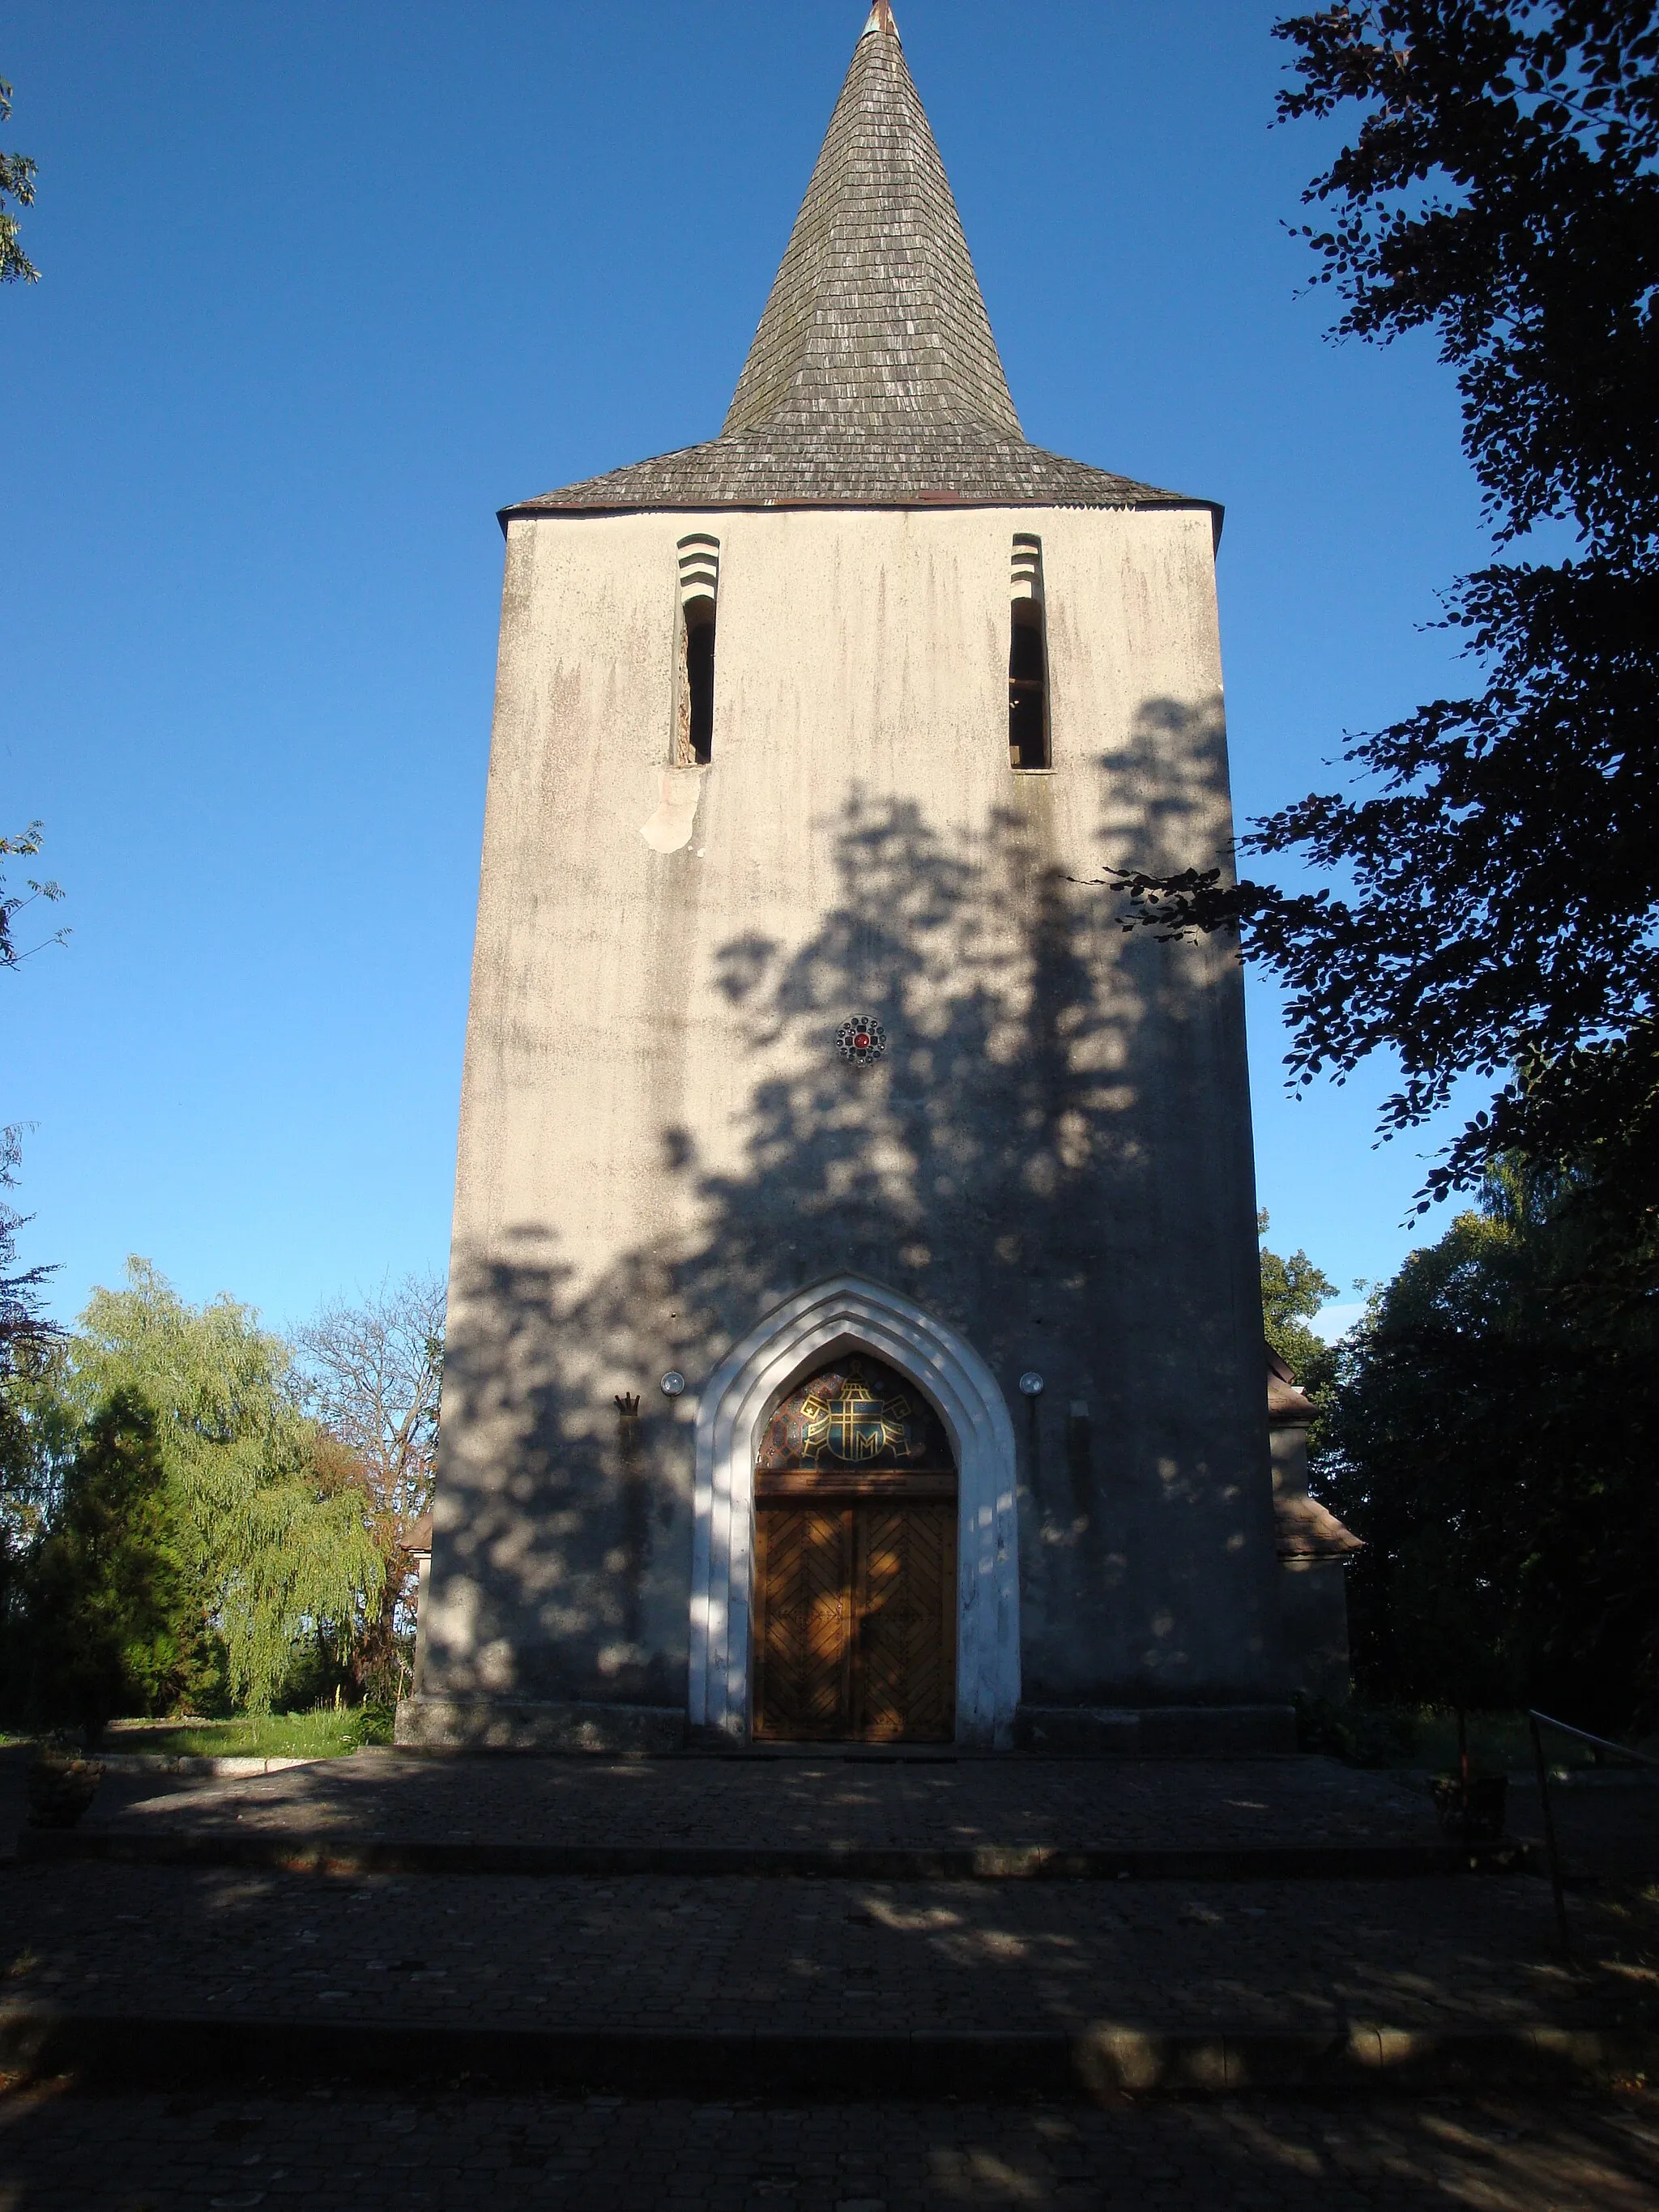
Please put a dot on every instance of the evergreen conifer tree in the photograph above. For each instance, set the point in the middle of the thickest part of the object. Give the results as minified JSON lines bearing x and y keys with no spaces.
{"x":114,"y":1612}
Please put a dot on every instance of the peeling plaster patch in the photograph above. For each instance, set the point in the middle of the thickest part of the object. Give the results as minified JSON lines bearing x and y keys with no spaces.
{"x":670,"y":827}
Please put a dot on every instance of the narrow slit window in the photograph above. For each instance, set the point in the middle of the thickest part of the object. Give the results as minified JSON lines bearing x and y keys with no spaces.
{"x":700,"y":569}
{"x":1028,"y":659}
{"x":699,"y":678}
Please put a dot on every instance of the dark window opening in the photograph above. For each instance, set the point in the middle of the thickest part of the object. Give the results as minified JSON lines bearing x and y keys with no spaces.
{"x":700,"y":677}
{"x":1027,"y":689}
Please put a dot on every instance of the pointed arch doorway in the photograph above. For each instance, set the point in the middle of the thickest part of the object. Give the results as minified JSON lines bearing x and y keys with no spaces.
{"x":855,"y":1562}
{"x":733,"y":1413}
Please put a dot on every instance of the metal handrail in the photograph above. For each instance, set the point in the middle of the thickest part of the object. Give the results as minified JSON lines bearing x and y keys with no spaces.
{"x":1537,"y":1722}
{"x":1623,"y":1750}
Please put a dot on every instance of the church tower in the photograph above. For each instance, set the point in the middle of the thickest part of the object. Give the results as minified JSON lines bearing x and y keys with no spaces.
{"x":854,"y":1325}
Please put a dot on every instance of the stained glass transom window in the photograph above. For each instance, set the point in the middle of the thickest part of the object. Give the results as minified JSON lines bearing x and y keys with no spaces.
{"x":856,"y":1413}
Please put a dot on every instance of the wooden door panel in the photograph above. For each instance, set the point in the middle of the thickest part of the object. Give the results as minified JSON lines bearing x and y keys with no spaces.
{"x":904,"y":1661}
{"x":804,"y":1623}
{"x":855,"y":1561}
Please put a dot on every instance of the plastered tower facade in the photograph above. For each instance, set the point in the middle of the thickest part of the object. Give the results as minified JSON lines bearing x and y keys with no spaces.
{"x":808,"y":1072}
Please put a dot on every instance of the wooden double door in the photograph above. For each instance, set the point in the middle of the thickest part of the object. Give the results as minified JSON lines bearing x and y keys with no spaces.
{"x":855,"y":1612}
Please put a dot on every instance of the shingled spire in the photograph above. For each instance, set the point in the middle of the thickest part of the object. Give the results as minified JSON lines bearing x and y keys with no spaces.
{"x":873,"y":378}
{"x":876,"y":321}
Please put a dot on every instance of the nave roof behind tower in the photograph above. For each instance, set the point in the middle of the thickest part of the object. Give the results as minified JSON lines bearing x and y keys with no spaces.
{"x":873,"y":378}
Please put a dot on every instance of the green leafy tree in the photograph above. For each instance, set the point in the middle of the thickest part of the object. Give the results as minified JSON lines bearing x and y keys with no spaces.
{"x":16,"y":191}
{"x":114,"y":1616}
{"x":1292,"y":1291}
{"x":1490,"y":1433}
{"x":1496,"y":856}
{"x":278,"y":1552}
{"x":31,"y":1440}
{"x":370,"y":1374}
{"x":27,"y":1336}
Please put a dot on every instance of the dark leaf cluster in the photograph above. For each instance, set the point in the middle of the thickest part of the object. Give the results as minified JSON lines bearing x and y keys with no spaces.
{"x":1490,"y":1433}
{"x":1495,"y":858}
{"x":1501,"y":191}
{"x":17,"y":187}
{"x":12,"y":903}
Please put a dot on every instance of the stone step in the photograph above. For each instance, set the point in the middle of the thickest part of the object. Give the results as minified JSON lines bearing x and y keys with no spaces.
{"x":323,"y":1853}
{"x":165,"y":2051}
{"x":236,"y":1766}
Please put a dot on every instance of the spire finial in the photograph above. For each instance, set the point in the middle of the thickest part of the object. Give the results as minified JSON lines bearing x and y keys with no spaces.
{"x":881,"y":18}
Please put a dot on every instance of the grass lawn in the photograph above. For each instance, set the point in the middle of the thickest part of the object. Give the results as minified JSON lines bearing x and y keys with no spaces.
{"x":1498,"y":1742}
{"x":325,"y":1733}
{"x":1413,"y":1738}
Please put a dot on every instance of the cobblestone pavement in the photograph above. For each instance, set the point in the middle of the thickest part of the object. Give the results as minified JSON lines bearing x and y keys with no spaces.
{"x":72,"y":2153}
{"x":742,"y":1953}
{"x":1608,"y":1827}
{"x":920,"y":1800}
{"x":13,"y":1791}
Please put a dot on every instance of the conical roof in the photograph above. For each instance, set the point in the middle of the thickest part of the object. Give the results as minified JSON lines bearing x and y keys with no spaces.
{"x":873,"y":378}
{"x":876,"y":319}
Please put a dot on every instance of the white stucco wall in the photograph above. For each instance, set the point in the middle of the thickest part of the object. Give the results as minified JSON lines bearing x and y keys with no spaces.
{"x":857,"y":652}
{"x":658,"y":1142}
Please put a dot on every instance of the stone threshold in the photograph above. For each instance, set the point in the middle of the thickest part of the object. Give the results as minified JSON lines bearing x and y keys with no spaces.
{"x":325,"y":1855}
{"x":1100,"y":2064}
{"x":167,"y":1762}
{"x":436,"y":1722}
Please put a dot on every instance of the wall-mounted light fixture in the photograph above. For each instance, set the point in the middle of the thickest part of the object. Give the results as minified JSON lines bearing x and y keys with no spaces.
{"x":672,"y":1383}
{"x":1031,"y":1383}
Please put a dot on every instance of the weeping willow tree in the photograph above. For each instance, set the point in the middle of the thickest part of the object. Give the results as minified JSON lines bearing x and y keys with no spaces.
{"x":278,"y":1552}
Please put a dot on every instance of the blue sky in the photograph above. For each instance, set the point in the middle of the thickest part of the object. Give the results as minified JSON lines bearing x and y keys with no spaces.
{"x":324,"y":284}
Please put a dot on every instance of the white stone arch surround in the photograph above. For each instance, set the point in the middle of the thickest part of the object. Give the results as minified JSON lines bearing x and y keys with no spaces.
{"x":813,"y":1325}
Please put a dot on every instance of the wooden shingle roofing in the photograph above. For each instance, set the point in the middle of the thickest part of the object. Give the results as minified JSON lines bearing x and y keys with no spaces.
{"x":1306,"y":1529}
{"x":873,"y":378}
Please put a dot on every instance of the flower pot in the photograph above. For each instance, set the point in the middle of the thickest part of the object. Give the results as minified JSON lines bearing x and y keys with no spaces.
{"x":1482,"y":1822}
{"x":60,"y":1790}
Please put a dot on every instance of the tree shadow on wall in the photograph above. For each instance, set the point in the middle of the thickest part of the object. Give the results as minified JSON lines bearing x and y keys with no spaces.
{"x":1037,"y":1161}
